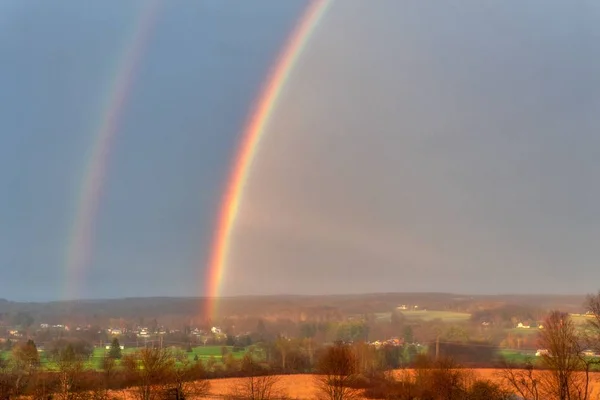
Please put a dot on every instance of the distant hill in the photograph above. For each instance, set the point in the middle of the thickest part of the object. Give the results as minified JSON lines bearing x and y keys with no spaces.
{"x":295,"y":307}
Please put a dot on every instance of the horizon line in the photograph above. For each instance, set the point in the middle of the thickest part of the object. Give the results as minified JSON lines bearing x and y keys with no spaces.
{"x":302,"y":295}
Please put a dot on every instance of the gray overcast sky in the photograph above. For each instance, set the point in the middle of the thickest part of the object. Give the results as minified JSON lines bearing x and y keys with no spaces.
{"x":203,"y":66}
{"x":419,"y":146}
{"x":432,"y":146}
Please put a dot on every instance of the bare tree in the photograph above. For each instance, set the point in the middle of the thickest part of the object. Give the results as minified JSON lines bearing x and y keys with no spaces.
{"x":100,"y":383}
{"x":70,"y":370}
{"x":593,"y":324}
{"x":257,"y":383}
{"x":7,"y":386}
{"x":148,"y":370}
{"x":488,"y":390}
{"x":187,"y":381}
{"x":523,"y":381}
{"x":43,"y":386}
{"x":337,"y":373}
{"x":309,"y":344}
{"x":109,"y":371}
{"x":25,"y":362}
{"x":282,"y":344}
{"x":264,"y":387}
{"x":442,"y":378}
{"x":569,"y":378}
{"x":368,"y":363}
{"x":564,"y":372}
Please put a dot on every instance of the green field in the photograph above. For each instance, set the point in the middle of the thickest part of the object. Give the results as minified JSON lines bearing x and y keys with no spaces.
{"x":517,"y":356}
{"x":95,"y":361}
{"x":446,"y":316}
{"x":523,"y":332}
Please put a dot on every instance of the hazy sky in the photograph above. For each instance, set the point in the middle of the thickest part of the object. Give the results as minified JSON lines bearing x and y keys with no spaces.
{"x":419,"y":146}
{"x":204,"y":64}
{"x":432,"y":146}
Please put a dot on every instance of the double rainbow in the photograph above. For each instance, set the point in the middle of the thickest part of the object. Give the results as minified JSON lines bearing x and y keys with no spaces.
{"x":79,"y":247}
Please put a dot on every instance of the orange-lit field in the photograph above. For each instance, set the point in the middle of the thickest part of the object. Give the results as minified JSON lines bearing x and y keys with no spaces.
{"x":294,"y":386}
{"x":303,"y":387}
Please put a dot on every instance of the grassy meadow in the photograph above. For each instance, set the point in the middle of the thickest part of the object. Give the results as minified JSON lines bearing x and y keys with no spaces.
{"x":426,"y":315}
{"x":445,"y":316}
{"x":204,"y":353}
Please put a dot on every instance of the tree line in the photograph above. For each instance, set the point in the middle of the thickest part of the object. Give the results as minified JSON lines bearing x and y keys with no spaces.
{"x":343,"y":370}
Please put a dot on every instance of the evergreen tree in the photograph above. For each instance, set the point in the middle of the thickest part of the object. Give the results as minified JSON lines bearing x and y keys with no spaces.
{"x":115,"y":349}
{"x":408,"y":335}
{"x":261,"y":330}
{"x":31,"y":345}
{"x":68,"y":354}
{"x":230,"y":340}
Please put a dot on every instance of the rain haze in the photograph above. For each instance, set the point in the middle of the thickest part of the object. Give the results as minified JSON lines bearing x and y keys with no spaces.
{"x":416,"y":147}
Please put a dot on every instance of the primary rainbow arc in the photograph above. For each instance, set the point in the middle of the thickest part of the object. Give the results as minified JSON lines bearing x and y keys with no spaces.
{"x":251,"y":137}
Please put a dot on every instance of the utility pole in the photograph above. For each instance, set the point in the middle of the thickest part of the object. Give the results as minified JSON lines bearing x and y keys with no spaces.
{"x":437,"y":347}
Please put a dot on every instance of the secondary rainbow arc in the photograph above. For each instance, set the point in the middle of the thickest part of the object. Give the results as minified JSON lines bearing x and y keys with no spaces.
{"x":79,"y":247}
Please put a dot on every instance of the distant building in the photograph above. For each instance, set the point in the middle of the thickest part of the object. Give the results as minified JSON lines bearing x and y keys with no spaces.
{"x":395,"y":341}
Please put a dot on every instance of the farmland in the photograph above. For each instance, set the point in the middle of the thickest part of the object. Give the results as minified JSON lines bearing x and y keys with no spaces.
{"x":303,"y":386}
{"x":445,"y":316}
{"x":580,"y":319}
{"x":203,"y":353}
{"x":426,"y":315}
